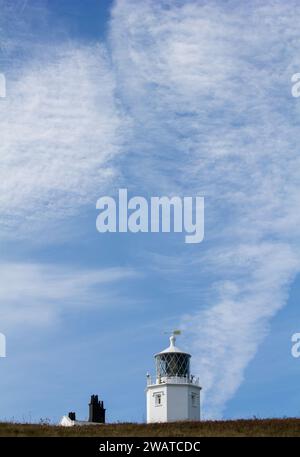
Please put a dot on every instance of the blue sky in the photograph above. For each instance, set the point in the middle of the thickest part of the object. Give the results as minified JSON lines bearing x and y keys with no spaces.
{"x":163,"y":98}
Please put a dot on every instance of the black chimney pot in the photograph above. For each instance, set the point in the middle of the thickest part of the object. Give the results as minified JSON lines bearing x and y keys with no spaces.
{"x":96,"y":410}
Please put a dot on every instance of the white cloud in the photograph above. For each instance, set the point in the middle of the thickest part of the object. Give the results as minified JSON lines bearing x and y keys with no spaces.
{"x":37,"y":295}
{"x":61,"y":128}
{"x":208,"y":87}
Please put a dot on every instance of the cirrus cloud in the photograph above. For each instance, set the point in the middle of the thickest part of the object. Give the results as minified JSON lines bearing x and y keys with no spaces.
{"x":208,"y":87}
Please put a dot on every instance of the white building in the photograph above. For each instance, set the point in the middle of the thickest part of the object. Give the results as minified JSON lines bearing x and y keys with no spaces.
{"x":96,"y":415}
{"x":66,"y":421}
{"x":174,"y":394}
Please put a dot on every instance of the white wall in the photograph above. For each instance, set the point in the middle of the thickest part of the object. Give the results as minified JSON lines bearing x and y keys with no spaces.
{"x":156,"y":413}
{"x":194,"y":411}
{"x":176,"y":403}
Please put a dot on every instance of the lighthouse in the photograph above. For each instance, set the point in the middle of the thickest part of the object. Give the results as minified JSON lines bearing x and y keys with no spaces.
{"x":174,"y":394}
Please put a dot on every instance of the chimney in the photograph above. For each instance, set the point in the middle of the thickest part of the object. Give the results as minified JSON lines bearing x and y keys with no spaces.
{"x":96,"y":410}
{"x":72,"y":416}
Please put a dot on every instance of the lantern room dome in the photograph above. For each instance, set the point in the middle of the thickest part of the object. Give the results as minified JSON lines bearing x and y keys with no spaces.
{"x":172,"y":348}
{"x":172,"y":362}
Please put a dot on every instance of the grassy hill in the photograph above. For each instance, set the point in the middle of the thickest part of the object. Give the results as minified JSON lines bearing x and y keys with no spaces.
{"x":253,"y":427}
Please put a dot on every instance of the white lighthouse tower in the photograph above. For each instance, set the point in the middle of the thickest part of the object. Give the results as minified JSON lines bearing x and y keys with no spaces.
{"x":174,"y":394}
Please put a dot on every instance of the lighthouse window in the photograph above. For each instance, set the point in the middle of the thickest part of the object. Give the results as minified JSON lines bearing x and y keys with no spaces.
{"x":172,"y":364}
{"x":194,"y":400}
{"x":158,"y":399}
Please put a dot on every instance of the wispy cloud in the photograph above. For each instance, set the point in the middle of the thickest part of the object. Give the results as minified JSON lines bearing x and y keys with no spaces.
{"x":38,"y":295}
{"x":60,"y":127}
{"x":208,"y":87}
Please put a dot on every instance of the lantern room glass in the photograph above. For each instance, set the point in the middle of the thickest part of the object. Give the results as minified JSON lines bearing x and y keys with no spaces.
{"x":172,"y":364}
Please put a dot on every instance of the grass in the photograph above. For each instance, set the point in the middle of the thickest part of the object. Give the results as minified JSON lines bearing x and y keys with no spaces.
{"x":238,"y":428}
